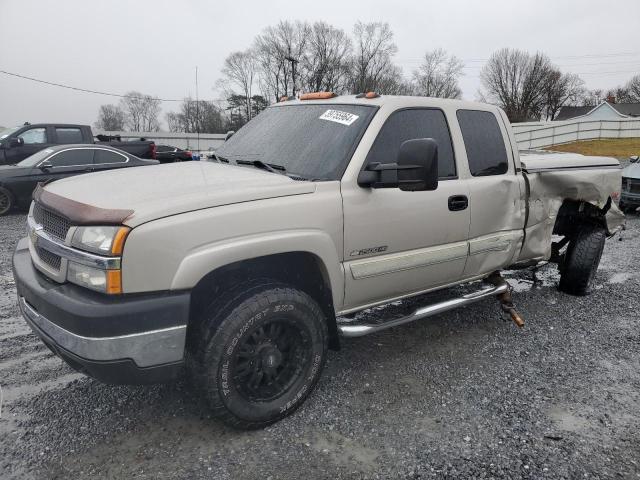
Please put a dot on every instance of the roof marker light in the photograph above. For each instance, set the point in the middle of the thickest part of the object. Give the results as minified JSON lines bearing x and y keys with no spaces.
{"x":317,"y":95}
{"x":368,"y":95}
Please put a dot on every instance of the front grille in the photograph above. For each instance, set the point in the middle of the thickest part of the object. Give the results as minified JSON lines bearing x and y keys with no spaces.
{"x":49,"y":258}
{"x":634,"y":185}
{"x":52,"y":223}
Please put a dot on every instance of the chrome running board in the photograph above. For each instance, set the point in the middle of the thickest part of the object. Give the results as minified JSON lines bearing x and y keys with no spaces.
{"x":360,"y":329}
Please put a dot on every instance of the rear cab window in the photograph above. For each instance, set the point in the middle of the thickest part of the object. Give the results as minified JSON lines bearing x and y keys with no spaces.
{"x":413,"y":123}
{"x":68,"y":135}
{"x":483,"y":142}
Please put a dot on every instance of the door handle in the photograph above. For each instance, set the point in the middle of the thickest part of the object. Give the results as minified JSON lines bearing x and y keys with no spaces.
{"x":458,"y":203}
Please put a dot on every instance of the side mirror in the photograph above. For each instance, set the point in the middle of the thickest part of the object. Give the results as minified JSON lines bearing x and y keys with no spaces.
{"x":633,"y":158}
{"x":16,"y":142}
{"x":416,"y":168}
{"x":229,"y":135}
{"x":45,"y":166}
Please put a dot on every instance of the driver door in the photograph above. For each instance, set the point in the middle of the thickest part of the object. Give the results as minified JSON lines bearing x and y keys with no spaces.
{"x":398,"y":242}
{"x":34,"y":138}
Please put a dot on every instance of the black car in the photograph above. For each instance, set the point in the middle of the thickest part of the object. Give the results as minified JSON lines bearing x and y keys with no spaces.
{"x":18,"y":143}
{"x":17,"y":182}
{"x":167,"y":154}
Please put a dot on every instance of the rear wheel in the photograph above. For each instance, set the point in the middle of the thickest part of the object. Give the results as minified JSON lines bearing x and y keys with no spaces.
{"x":6,"y":201}
{"x":260,"y":355}
{"x":581,"y":260}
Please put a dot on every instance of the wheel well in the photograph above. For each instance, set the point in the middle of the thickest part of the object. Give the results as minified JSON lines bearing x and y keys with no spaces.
{"x":573,"y":214}
{"x":302,"y":270}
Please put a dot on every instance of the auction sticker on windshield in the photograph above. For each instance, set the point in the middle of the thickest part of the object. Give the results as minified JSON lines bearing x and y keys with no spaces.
{"x":345,"y":118}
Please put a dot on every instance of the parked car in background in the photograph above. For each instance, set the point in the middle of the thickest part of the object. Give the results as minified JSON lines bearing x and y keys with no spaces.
{"x":168,"y":154}
{"x":17,"y":182}
{"x":630,"y":195}
{"x":18,"y":143}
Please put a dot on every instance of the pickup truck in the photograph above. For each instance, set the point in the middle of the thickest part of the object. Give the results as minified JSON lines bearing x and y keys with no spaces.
{"x":318,"y":208}
{"x":630,"y":196}
{"x":18,"y":143}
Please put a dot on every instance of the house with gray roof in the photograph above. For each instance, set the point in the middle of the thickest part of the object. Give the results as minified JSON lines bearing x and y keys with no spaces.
{"x":604,"y":111}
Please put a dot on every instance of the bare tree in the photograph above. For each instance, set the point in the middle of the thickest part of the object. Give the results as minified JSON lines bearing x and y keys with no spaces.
{"x":275,"y":47}
{"x":110,"y":118}
{"x":196,"y":116}
{"x":372,"y":66}
{"x":324,"y":65}
{"x":438,"y":75}
{"x":591,"y":98}
{"x":141,"y":112}
{"x":518,"y":82}
{"x":174,"y":122}
{"x":240,"y":71}
{"x":562,"y":89}
{"x":634,"y":89}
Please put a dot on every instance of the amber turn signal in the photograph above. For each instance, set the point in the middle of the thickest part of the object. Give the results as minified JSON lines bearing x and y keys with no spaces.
{"x":317,"y":95}
{"x":114,"y":282}
{"x":118,"y":240}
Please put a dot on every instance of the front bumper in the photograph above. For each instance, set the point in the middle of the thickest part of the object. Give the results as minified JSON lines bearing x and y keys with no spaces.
{"x":630,"y":199}
{"x":122,"y":339}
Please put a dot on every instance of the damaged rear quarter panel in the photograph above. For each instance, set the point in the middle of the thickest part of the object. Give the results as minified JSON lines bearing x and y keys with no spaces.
{"x":554,"y":178}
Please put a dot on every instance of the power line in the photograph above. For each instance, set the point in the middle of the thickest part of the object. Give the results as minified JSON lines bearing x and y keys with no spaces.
{"x":562,"y":57}
{"x":85,"y":90}
{"x":634,"y":63}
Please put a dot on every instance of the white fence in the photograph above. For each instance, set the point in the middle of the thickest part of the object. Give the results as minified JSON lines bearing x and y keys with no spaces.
{"x":187,"y":141}
{"x":533,"y":135}
{"x":529,"y":135}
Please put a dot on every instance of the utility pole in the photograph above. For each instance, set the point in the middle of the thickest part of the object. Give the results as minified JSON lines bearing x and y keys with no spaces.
{"x":293,"y":72}
{"x":197,"y":112}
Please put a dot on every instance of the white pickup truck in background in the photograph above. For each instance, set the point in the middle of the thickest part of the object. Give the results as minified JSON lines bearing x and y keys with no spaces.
{"x":246,"y":270}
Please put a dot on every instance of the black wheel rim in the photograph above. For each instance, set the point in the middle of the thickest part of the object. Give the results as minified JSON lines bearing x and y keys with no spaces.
{"x":270,"y":359}
{"x":4,"y":203}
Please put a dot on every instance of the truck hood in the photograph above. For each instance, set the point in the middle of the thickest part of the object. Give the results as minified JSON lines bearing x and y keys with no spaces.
{"x":162,"y":190}
{"x":632,"y":171}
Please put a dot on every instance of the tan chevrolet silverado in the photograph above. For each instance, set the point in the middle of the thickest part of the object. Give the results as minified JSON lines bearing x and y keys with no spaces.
{"x":243,"y":271}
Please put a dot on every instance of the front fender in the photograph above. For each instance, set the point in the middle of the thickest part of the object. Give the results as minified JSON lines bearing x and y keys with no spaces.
{"x":205,"y":259}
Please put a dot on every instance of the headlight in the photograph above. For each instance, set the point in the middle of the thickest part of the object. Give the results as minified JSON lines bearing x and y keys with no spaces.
{"x":105,"y":281}
{"x":100,"y":240}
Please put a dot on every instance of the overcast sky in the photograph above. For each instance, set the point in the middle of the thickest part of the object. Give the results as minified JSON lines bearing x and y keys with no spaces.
{"x":153,"y":46}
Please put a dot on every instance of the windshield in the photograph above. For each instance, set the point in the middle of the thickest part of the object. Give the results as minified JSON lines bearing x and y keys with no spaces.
{"x":314,"y":142}
{"x":36,"y":158}
{"x":6,"y":132}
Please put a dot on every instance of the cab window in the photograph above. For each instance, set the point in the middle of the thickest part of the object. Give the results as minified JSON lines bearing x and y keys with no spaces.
{"x":34,"y":136}
{"x":411,"y":124}
{"x":483,"y":142}
{"x":68,"y":135}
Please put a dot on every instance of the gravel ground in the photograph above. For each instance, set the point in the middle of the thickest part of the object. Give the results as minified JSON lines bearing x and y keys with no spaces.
{"x":465,"y":395}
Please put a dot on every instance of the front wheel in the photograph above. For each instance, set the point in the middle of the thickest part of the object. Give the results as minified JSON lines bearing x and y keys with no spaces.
{"x":6,"y":201}
{"x":581,"y":260}
{"x":261,"y":355}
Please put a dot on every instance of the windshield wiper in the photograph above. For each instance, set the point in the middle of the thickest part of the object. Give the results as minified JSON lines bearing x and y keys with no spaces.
{"x":220,"y":158}
{"x":270,"y":167}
